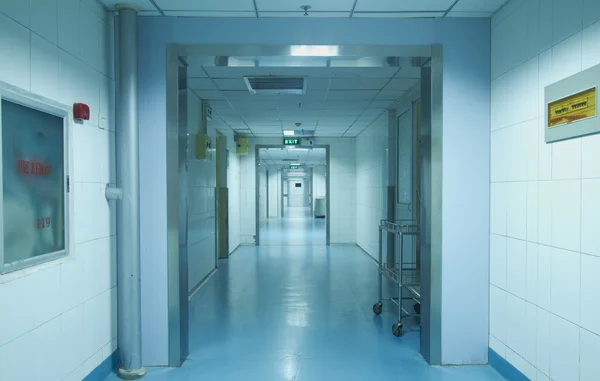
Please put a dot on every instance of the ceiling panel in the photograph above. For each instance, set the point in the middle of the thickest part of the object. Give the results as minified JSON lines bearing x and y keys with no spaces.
{"x":142,"y":5}
{"x":324,"y":8}
{"x":295,"y":5}
{"x":231,"y":83}
{"x":387,"y":15}
{"x":344,"y":105}
{"x":403,"y":6}
{"x":210,"y":13}
{"x":266,"y":130}
{"x":381,"y":104}
{"x":236,"y":72}
{"x":470,"y":14}
{"x":358,"y":83}
{"x":329,"y":133}
{"x":300,"y":13}
{"x":317,"y":84}
{"x":149,"y":13}
{"x":392,"y":95}
{"x":318,"y":72}
{"x":351,"y":95}
{"x":305,"y":126}
{"x":365,"y":72}
{"x":487,"y":6}
{"x":208,"y":94}
{"x":409,"y":72}
{"x":253,"y":104}
{"x":401,"y":84}
{"x":206,"y":5}
{"x":355,"y":99}
{"x":201,"y":84}
{"x":220,"y":105}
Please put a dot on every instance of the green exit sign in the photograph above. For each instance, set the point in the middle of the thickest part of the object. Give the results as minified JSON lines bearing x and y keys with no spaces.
{"x":291,"y":142}
{"x":294,"y":166}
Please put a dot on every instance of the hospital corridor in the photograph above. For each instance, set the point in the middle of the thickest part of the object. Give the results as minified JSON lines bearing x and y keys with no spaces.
{"x":283,"y":190}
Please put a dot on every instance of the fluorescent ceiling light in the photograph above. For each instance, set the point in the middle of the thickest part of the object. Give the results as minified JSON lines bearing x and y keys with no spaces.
{"x":314,"y":51}
{"x":298,"y":149}
{"x":289,"y":133}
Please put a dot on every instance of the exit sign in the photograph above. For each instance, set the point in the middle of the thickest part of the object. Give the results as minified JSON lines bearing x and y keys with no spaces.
{"x":294,"y":166}
{"x":291,"y":142}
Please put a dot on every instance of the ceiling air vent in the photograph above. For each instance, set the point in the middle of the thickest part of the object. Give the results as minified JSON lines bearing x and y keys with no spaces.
{"x":276,"y":85}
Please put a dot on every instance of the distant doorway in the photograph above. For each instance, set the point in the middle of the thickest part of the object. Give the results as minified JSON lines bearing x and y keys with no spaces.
{"x":292,"y":196}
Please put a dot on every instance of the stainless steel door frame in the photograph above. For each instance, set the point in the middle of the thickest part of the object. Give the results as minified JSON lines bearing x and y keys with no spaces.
{"x":431,"y":208}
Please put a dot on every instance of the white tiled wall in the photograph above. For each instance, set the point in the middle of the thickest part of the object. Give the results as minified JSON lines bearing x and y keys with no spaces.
{"x":371,"y":183}
{"x":60,"y":319}
{"x":342,"y":186}
{"x":544,"y":244}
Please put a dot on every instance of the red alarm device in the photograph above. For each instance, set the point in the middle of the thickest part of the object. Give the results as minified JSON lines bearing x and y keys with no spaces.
{"x":81,"y":111}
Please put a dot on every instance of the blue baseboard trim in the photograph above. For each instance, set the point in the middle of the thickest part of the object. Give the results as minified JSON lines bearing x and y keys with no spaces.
{"x":506,"y":369}
{"x":103,"y":370}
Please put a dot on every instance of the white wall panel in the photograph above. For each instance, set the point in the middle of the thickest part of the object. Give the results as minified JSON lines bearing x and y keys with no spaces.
{"x":63,"y":322}
{"x":371,"y":184}
{"x":536,"y":43}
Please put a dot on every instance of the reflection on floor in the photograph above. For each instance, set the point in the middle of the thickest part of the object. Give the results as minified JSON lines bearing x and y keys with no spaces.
{"x":298,"y":227}
{"x":300,"y":314}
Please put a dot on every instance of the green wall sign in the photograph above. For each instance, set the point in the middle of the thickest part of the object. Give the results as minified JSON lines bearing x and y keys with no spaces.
{"x":291,"y":141}
{"x":294,"y":166}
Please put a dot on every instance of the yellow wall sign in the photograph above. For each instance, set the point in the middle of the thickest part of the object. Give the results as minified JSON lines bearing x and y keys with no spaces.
{"x":572,"y":108}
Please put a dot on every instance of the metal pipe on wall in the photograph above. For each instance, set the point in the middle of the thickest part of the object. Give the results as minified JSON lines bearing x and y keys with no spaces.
{"x":128,"y":212}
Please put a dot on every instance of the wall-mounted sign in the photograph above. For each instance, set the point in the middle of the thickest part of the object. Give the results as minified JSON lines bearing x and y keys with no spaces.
{"x":294,"y":166}
{"x":291,"y":141}
{"x":571,"y":106}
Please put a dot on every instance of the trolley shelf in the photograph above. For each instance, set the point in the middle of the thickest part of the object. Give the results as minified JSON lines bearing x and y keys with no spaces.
{"x":402,"y":273}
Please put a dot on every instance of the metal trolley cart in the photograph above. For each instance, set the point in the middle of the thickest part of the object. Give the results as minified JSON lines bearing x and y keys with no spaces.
{"x":405,"y":274}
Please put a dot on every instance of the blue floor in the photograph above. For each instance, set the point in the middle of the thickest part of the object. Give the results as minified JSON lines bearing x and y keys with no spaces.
{"x":297,"y":228}
{"x":296,"y":313}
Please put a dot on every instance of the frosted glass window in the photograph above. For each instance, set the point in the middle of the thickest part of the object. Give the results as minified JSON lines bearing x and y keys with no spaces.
{"x":33,"y":186}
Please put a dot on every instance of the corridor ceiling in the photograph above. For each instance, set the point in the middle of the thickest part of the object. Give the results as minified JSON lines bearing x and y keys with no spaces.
{"x":319,"y":8}
{"x":339,"y":101}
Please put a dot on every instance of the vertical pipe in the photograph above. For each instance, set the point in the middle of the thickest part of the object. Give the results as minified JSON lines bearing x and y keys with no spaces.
{"x":128,"y":237}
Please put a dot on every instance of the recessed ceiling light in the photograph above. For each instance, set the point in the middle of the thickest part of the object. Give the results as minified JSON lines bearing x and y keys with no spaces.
{"x":289,"y":133}
{"x":314,"y":51}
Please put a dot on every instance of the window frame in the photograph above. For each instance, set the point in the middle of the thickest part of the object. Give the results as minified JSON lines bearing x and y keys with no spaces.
{"x":24,"y":98}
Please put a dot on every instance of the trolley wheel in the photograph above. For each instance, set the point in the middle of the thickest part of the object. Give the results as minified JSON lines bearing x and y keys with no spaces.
{"x":397,"y":329}
{"x":377,"y":308}
{"x":417,"y":308}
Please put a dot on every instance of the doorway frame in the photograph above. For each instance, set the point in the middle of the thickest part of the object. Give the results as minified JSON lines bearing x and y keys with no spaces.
{"x":257,"y":149}
{"x":433,"y":351}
